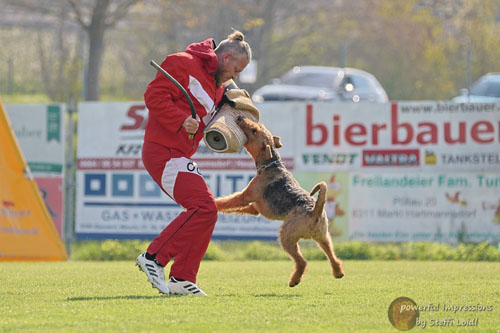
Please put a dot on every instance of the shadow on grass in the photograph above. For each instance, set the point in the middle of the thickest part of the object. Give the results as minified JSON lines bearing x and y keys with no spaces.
{"x":135,"y":297}
{"x":278,"y":295}
{"x":130,"y":297}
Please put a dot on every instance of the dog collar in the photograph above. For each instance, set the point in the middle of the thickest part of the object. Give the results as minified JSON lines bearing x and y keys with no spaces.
{"x":268,"y":165}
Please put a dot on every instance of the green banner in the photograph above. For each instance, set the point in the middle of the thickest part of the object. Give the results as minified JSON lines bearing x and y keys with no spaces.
{"x":45,"y":167}
{"x":53,"y":123}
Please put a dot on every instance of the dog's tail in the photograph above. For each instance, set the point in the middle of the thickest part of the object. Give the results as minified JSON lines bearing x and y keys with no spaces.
{"x":320,"y":202}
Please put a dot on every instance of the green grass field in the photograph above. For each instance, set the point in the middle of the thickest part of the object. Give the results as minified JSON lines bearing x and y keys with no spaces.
{"x":248,"y":296}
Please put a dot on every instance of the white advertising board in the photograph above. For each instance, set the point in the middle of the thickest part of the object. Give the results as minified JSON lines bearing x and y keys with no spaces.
{"x":39,"y":129}
{"x":356,"y":148}
{"x":116,"y":197}
{"x":441,"y":207}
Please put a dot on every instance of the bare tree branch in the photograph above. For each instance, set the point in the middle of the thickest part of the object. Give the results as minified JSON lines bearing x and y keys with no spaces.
{"x":120,"y":12}
{"x":78,"y":14}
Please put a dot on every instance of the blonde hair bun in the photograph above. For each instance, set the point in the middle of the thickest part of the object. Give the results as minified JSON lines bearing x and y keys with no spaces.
{"x":236,"y":35}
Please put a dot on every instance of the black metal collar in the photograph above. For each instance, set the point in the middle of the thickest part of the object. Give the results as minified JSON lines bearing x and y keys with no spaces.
{"x":275,"y":161}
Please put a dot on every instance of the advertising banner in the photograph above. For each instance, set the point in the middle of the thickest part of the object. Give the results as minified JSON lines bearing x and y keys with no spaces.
{"x":26,"y":229}
{"x":395,"y":172}
{"x":408,"y":171}
{"x":416,"y":136}
{"x":441,"y":207}
{"x":116,"y":197}
{"x":40,"y":131}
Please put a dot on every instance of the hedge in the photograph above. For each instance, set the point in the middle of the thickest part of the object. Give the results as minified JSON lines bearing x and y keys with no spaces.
{"x":257,"y":250}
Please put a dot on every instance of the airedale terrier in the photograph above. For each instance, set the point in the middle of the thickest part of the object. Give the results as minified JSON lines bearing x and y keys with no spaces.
{"x":276,"y":195}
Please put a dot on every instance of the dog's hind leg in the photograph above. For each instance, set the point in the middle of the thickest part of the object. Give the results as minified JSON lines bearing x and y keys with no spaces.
{"x":290,"y":244}
{"x":325,"y":242}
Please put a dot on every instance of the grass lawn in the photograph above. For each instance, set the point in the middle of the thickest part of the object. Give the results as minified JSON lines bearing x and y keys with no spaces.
{"x":250,"y":296}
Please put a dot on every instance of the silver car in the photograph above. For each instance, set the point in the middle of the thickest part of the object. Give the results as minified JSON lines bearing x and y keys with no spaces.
{"x":317,"y":83}
{"x":485,"y":89}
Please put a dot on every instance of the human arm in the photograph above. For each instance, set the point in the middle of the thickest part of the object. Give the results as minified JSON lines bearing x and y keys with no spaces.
{"x":162,"y":96}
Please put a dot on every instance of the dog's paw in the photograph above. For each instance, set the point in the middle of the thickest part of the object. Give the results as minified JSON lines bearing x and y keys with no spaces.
{"x":295,"y":279}
{"x":338,"y":272}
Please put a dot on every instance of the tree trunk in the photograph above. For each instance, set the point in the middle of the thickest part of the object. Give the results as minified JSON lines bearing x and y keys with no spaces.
{"x":264,"y":43}
{"x":46,"y":68}
{"x":62,"y":57}
{"x":96,"y":48}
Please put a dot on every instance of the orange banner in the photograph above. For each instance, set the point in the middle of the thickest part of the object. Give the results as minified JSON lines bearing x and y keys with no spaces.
{"x":26,"y":229}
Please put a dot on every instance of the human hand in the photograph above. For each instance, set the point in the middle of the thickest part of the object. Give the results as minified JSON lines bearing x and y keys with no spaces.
{"x":191,"y":124}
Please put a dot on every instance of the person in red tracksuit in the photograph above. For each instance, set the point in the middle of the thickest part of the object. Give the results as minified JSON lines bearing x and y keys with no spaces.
{"x":202,"y":70}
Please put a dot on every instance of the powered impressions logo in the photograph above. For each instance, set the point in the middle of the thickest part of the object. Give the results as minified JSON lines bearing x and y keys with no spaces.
{"x":404,"y":314}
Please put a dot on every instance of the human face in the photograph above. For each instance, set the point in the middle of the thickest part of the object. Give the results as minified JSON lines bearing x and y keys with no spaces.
{"x":229,"y":67}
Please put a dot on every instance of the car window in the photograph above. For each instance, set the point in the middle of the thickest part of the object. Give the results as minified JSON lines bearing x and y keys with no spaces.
{"x":324,"y":80}
{"x":359,"y":82}
{"x":486,"y":87}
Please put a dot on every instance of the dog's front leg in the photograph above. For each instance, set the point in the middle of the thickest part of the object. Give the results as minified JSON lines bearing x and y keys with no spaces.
{"x":246,"y":210}
{"x":231,"y":202}
{"x":236,"y":200}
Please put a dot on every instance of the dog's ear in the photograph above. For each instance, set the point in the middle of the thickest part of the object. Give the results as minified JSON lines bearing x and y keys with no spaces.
{"x":277,"y":142}
{"x":267,"y":154}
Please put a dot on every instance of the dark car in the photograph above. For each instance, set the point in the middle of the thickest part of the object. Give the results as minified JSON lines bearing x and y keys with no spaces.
{"x":485,"y":89}
{"x":317,"y":83}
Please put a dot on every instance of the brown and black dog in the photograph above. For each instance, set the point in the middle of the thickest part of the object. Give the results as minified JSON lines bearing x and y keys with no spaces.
{"x":276,"y":195}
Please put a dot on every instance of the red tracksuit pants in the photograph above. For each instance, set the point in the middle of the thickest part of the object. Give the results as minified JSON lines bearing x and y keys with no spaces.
{"x":186,"y":238}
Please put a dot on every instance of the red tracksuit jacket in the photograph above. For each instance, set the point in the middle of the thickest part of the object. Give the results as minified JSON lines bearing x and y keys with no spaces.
{"x":194,"y":69}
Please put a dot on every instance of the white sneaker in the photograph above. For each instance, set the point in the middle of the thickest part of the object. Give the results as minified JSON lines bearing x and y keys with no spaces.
{"x":184,"y":288}
{"x":154,"y":272}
